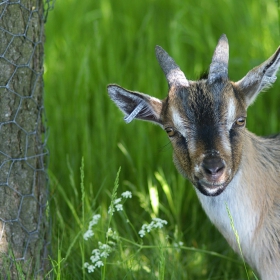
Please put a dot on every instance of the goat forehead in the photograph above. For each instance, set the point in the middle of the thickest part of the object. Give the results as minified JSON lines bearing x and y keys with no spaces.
{"x":200,"y":105}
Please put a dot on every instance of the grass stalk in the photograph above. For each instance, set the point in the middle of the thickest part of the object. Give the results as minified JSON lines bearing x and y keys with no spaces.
{"x":238,"y":242}
{"x":83,"y":214}
{"x":110,"y":212}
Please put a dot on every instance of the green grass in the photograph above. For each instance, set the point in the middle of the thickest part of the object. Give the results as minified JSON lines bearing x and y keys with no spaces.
{"x":92,"y":43}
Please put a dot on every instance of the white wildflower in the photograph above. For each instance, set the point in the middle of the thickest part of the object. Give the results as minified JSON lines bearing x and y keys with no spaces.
{"x":112,"y":243}
{"x":99,"y":263}
{"x":105,"y":250}
{"x":119,"y":207}
{"x":89,"y":267}
{"x":95,"y":258}
{"x":118,"y":200}
{"x":86,"y":264}
{"x":109,"y":232}
{"x":126,"y":194}
{"x":111,"y":210}
{"x":95,"y":252}
{"x":112,"y":234}
{"x":89,"y":233}
{"x":94,"y":220}
{"x":103,"y":246}
{"x":117,"y":203}
{"x":156,"y":223}
{"x":105,"y":254}
{"x":142,"y":232}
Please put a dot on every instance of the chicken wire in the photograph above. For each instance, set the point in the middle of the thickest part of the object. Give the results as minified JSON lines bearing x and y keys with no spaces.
{"x":24,"y":226}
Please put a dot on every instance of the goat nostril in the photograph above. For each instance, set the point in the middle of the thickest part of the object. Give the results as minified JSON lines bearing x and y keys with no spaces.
{"x":213,"y":165}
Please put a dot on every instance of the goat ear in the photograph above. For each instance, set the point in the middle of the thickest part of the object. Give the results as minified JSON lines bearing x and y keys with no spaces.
{"x":136,"y":105}
{"x":259,"y":78}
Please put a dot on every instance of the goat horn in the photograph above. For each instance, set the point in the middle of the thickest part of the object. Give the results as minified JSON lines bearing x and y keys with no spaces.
{"x":219,"y":65}
{"x":171,"y":70}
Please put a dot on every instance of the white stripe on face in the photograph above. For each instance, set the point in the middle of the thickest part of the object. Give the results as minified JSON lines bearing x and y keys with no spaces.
{"x":178,"y":121}
{"x":179,"y":124}
{"x":230,"y":117}
{"x":231,"y":112}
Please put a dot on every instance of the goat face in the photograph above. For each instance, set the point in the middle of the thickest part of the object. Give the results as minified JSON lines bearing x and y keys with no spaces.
{"x":205,"y":124}
{"x":205,"y":120}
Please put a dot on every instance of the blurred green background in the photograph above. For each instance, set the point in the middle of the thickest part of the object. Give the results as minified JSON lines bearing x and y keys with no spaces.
{"x":90,"y":44}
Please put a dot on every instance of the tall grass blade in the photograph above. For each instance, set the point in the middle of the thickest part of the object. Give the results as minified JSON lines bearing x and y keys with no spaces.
{"x":238,"y":241}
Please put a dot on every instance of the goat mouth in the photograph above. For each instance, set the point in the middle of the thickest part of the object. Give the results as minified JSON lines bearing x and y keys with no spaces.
{"x":211,"y":188}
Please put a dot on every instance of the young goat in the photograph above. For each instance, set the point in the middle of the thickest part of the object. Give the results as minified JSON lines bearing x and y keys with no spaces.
{"x":228,"y":165}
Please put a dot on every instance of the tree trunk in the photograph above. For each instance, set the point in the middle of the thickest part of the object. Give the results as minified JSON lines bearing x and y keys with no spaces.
{"x":23,"y":179}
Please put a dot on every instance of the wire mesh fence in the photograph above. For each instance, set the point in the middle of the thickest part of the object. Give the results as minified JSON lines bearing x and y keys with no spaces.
{"x":24,"y":228}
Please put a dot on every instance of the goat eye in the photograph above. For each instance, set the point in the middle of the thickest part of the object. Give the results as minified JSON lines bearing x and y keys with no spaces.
{"x":170,"y":131}
{"x":239,"y":122}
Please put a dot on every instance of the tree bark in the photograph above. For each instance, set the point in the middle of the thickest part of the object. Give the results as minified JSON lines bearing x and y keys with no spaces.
{"x":23,"y":179}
